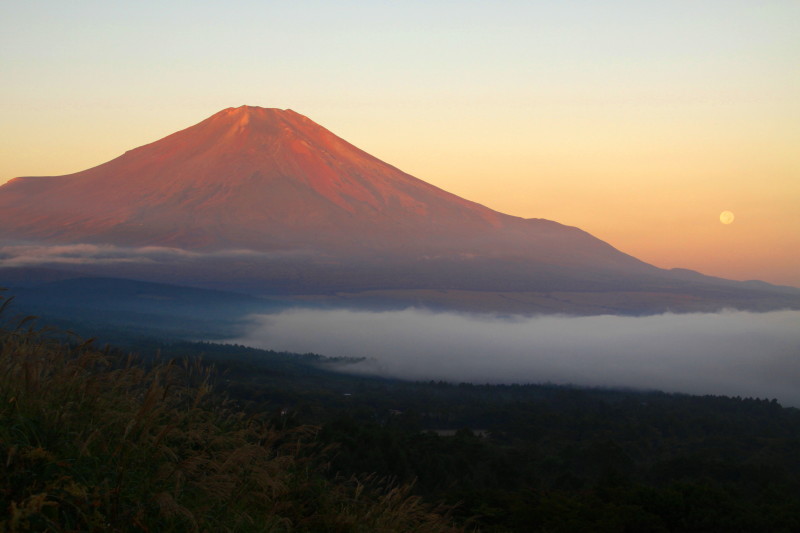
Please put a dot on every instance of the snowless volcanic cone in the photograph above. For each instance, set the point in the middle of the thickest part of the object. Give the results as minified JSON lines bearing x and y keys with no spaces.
{"x":265,"y":200}
{"x":273,"y":180}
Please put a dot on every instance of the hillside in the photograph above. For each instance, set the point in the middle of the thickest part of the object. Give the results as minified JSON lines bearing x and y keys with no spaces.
{"x":94,"y":440}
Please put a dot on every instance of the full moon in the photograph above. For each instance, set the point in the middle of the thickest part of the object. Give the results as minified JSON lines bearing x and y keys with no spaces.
{"x":726,"y":217}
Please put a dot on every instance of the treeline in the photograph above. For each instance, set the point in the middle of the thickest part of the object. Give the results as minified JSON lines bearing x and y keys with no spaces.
{"x":210,"y":437}
{"x":540,"y":458}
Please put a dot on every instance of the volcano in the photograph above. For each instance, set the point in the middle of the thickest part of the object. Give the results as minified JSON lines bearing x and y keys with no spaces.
{"x":269,"y":179}
{"x":268,"y":200}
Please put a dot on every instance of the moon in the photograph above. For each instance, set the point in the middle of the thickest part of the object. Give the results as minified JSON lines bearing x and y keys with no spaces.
{"x":726,"y":217}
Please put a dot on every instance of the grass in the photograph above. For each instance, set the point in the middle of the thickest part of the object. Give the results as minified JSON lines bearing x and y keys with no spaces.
{"x":92,"y":440}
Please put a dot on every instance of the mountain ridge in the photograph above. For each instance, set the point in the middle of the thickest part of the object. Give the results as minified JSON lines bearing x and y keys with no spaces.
{"x":274,"y":181}
{"x":209,"y":185}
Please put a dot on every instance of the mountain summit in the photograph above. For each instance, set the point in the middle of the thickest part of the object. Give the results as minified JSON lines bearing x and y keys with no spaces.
{"x":311,"y":213}
{"x":246,"y":177}
{"x":269,"y":180}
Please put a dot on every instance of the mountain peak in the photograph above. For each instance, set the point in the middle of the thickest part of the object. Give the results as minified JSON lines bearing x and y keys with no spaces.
{"x":281,"y":202}
{"x":257,"y":128}
{"x":246,"y":177}
{"x":258,"y":114}
{"x":246,"y":116}
{"x":255,"y":111}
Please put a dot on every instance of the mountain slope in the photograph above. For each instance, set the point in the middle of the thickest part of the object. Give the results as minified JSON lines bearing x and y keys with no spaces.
{"x":267,"y":179}
{"x":266,"y":170}
{"x":267,"y":200}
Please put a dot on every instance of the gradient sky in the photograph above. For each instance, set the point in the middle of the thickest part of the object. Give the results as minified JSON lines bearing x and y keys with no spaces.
{"x":637,"y":121}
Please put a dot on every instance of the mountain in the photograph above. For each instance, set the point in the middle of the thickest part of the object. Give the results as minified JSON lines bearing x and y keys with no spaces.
{"x":272,"y":180}
{"x":266,"y":200}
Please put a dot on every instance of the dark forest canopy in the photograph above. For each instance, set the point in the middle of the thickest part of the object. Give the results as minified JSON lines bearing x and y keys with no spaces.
{"x":538,"y":457}
{"x":352,"y":453}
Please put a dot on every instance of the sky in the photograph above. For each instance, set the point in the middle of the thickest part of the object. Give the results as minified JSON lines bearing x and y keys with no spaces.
{"x":637,"y":121}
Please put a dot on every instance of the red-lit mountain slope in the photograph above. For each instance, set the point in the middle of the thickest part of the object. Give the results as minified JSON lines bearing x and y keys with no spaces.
{"x":269,"y":179}
{"x":276,"y":183}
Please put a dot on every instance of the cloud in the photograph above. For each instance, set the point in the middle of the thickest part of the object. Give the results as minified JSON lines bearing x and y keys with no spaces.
{"x":732,"y":353}
{"x":76,"y":254}
{"x":23,"y":255}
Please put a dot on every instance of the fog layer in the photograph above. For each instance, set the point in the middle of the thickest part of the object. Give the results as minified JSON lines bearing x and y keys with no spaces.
{"x":732,"y":353}
{"x":21,"y":255}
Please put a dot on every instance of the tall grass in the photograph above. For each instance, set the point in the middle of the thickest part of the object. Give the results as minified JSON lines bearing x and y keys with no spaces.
{"x":91,"y":440}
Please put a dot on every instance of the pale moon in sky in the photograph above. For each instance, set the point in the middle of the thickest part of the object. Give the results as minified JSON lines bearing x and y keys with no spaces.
{"x":726,"y":217}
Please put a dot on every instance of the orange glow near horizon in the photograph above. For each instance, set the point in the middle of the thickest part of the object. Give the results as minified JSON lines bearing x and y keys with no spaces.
{"x":656,"y":195}
{"x":636,"y":122}
{"x":658,"y":201}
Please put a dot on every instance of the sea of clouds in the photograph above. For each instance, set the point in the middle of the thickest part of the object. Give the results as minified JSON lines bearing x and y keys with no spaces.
{"x":731,"y":353}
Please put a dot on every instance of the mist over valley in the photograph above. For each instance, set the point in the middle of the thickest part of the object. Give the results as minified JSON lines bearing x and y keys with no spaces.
{"x":254,"y":210}
{"x":730,"y":353}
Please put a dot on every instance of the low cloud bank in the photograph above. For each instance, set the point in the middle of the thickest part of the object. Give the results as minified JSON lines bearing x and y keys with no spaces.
{"x":75,"y":254}
{"x":24,"y":255}
{"x":732,"y":353}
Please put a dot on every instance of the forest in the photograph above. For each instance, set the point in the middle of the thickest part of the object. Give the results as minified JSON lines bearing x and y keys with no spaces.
{"x":155,"y":435}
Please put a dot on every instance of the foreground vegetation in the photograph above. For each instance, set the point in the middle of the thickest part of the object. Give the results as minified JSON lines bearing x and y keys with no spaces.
{"x":93,"y":440}
{"x":254,"y":440}
{"x":540,"y":458}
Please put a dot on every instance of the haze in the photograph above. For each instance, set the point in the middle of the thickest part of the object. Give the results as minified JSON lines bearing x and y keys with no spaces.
{"x":638,"y":122}
{"x":730,"y":353}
